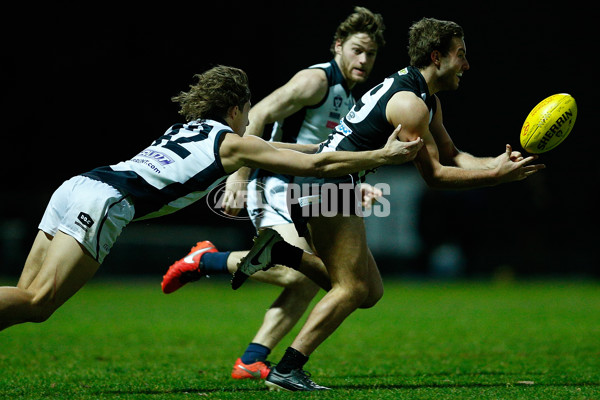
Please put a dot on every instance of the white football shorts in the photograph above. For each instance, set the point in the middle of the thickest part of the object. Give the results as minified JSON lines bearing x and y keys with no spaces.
{"x":267,"y":201}
{"x":92,"y":212}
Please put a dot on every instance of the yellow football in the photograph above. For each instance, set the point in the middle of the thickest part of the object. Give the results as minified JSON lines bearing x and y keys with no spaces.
{"x":549,"y":123}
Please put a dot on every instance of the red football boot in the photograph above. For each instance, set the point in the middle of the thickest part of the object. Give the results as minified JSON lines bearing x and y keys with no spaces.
{"x":188,"y":269}
{"x":257,"y":370}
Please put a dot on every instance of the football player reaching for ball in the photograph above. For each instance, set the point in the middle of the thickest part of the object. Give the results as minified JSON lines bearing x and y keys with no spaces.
{"x":87,"y":213}
{"x":304,"y":110}
{"x":438,"y":61}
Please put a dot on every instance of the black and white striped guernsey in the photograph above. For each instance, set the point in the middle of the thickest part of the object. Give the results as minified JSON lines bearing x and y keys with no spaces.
{"x":176,"y":170}
{"x":366,"y":126}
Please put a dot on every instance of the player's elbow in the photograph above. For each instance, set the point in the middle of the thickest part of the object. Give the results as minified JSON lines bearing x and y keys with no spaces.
{"x":430,"y":176}
{"x":433,"y":182}
{"x":322,"y":169}
{"x":311,"y":165}
{"x":321,"y":166}
{"x":318,"y":170}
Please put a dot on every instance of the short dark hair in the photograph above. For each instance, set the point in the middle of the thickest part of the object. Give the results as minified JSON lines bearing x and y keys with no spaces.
{"x":217,"y":89}
{"x":430,"y":34}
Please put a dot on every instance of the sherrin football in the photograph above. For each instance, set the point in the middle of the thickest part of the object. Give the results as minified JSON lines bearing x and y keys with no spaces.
{"x":549,"y":123}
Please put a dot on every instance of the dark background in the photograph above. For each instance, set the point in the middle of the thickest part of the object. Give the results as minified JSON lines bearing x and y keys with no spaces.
{"x":88,"y":85}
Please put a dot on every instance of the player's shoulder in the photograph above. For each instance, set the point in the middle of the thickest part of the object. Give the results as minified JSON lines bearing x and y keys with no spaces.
{"x":314,"y":77}
{"x":407,"y":108}
{"x":232,"y":143}
{"x":407,"y":101}
{"x":231,"y":146}
{"x":310,"y":85}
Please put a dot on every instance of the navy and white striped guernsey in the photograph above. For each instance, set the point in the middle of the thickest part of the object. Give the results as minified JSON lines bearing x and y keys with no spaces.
{"x":176,"y":170}
{"x":366,"y":126}
{"x":313,"y":124}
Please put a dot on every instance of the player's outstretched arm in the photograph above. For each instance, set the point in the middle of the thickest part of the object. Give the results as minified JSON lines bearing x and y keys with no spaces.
{"x":308,"y":148}
{"x":254,"y":152}
{"x":234,"y":198}
{"x":440,"y":164}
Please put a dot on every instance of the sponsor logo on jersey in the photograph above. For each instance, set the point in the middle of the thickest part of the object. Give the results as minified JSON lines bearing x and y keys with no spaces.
{"x":157,"y":156}
{"x":343,"y":128}
{"x":337,"y":102}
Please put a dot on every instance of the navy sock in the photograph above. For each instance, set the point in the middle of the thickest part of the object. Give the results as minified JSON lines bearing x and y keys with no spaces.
{"x":292,"y":359}
{"x":214,"y":263}
{"x":255,"y":352}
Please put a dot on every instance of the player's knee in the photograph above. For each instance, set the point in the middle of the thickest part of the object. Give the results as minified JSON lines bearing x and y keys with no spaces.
{"x":41,"y":308}
{"x":375,"y":294}
{"x":358,"y":293}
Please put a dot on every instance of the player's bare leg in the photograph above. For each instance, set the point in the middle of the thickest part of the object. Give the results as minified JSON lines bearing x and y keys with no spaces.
{"x":355,"y":282}
{"x":298,"y":292}
{"x":56,"y":268}
{"x":288,"y":308}
{"x":34,"y":260}
{"x":375,"y":283}
{"x":311,"y":266}
{"x":341,"y":244}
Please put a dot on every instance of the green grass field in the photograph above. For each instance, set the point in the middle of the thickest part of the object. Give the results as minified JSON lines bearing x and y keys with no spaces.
{"x":127,"y":340}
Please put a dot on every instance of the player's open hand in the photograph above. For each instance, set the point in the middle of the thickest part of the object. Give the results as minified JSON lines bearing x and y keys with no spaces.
{"x":369,"y":194}
{"x":513,"y":167}
{"x":400,"y":152}
{"x":514,"y":156}
{"x":234,"y":198}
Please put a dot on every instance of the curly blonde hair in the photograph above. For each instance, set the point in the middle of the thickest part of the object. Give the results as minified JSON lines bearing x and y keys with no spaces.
{"x":217,"y":89}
